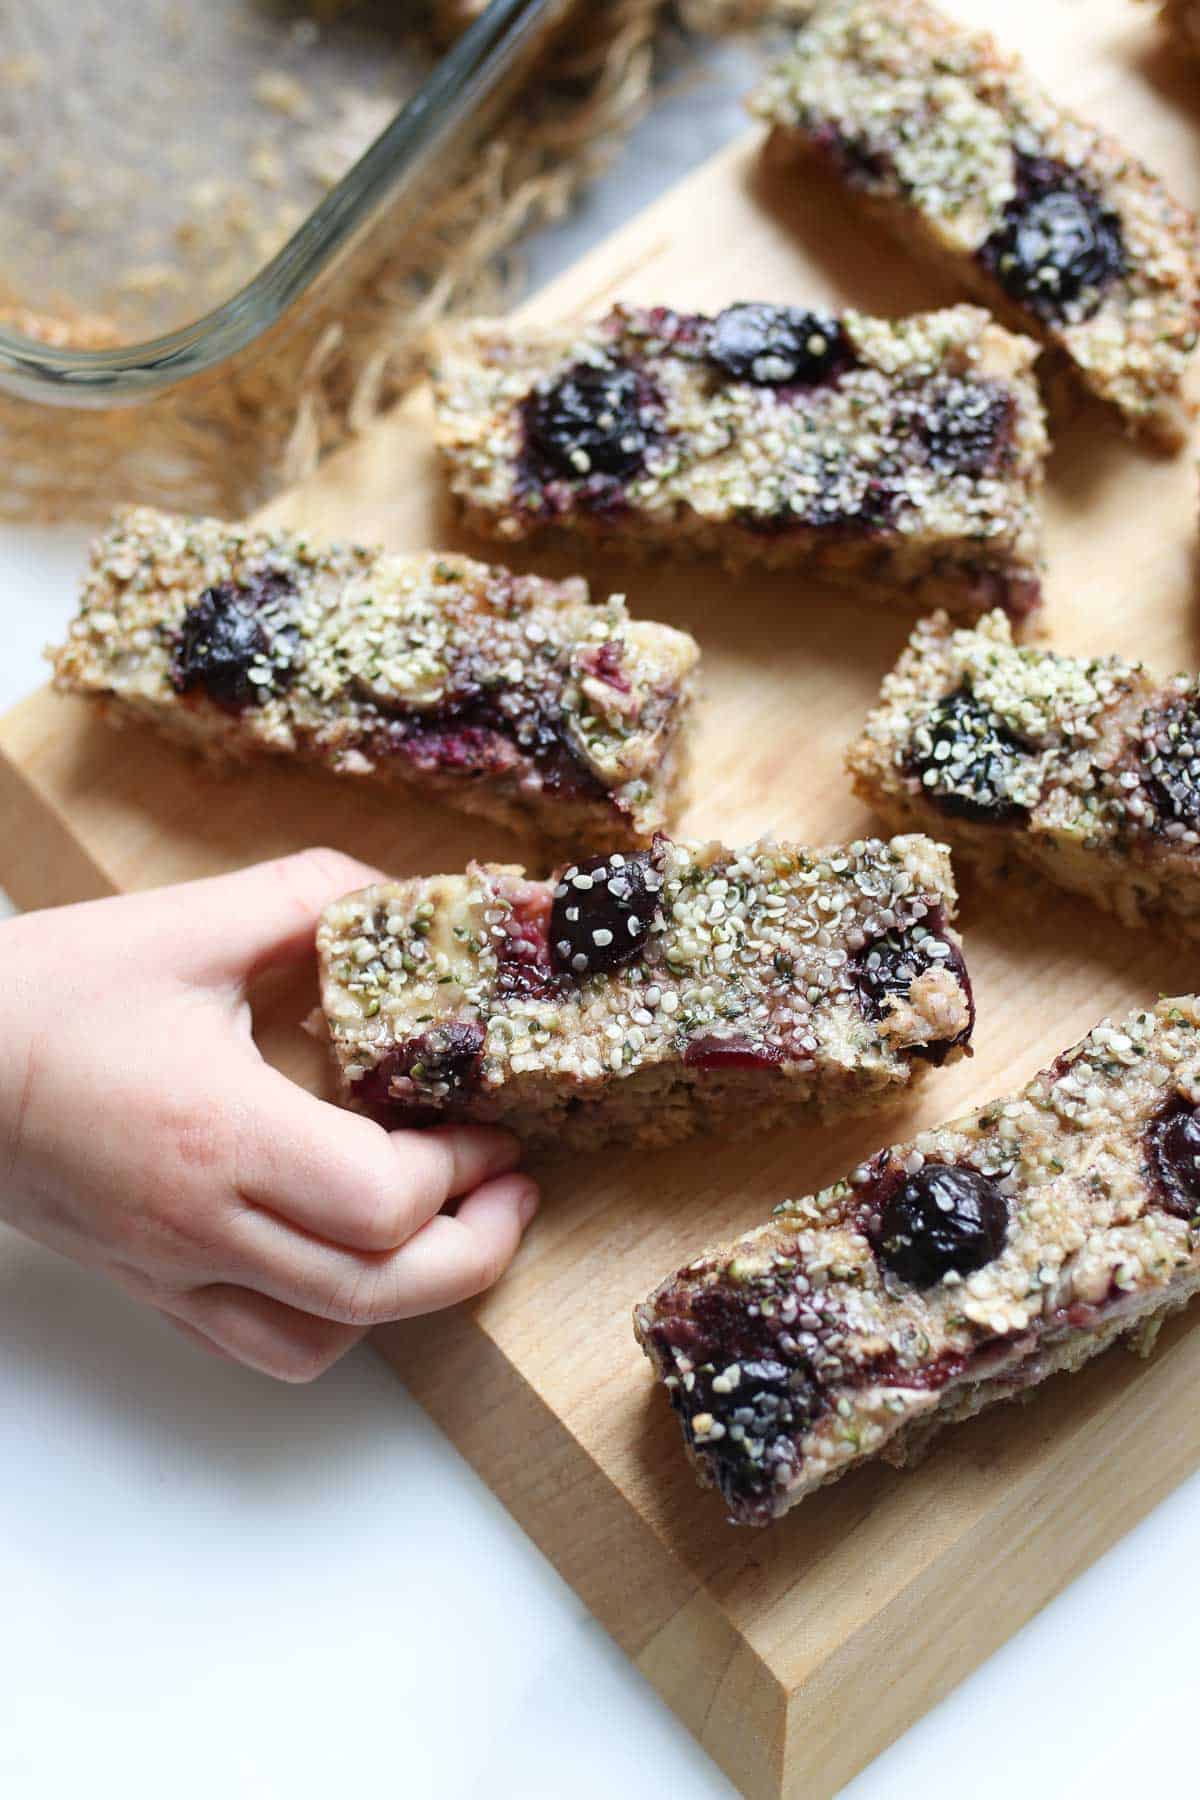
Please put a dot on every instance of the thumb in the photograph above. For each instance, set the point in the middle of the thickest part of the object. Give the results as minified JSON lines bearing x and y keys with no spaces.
{"x":235,"y":926}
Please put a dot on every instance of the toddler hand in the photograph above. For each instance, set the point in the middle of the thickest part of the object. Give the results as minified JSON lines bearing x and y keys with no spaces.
{"x":141,"y":1131}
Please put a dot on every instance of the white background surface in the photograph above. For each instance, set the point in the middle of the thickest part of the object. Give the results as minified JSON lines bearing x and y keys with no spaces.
{"x":211,"y":1585}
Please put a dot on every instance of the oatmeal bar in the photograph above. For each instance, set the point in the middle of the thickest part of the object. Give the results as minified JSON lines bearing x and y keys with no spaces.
{"x":944,"y":1274}
{"x":1088,"y":772}
{"x":903,"y":454}
{"x":1042,"y":215}
{"x":505,"y":695}
{"x":647,"y":996}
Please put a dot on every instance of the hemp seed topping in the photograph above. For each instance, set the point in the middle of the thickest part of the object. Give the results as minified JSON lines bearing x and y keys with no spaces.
{"x":506,"y":695}
{"x":909,"y":450}
{"x":648,"y":995}
{"x":1086,"y":771}
{"x":944,"y":1274}
{"x":1043,"y":216}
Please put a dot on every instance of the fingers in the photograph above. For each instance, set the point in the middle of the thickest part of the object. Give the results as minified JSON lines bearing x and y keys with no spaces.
{"x":234,"y":926}
{"x":453,"y":1258}
{"x":261,"y":1332}
{"x":448,"y":1260}
{"x":194,"y":1336}
{"x":347,"y":1180}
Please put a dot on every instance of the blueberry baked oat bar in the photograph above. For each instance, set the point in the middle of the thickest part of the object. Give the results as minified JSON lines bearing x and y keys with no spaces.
{"x":906,"y":454}
{"x":1045,"y":218}
{"x":506,"y":695}
{"x":1086,"y":771}
{"x":944,"y":1274}
{"x":645,"y":996}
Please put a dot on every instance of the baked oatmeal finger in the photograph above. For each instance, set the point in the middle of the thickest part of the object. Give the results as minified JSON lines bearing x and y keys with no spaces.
{"x":1045,"y":217}
{"x":1086,"y":770}
{"x":944,"y":1274}
{"x":643,"y":997}
{"x":507,"y":695}
{"x":901,"y":458}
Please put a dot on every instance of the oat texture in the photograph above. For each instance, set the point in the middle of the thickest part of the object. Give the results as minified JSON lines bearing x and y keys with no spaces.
{"x":506,"y":695}
{"x":1087,"y":771}
{"x":755,"y":985}
{"x":796,"y":1353}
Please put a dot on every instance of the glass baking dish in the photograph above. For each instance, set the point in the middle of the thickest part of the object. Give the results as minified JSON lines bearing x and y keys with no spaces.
{"x":168,"y":395}
{"x":221,"y":407}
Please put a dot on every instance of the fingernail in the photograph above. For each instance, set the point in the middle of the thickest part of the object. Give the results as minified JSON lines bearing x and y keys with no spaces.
{"x":528,"y":1204}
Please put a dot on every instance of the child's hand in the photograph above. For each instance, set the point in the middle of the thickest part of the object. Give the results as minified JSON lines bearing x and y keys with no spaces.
{"x":141,"y":1131}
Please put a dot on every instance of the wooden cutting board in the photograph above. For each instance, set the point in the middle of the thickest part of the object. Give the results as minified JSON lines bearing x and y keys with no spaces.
{"x":797,"y":1653}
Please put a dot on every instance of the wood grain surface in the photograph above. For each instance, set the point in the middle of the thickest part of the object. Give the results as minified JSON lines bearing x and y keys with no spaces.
{"x":797,"y":1653}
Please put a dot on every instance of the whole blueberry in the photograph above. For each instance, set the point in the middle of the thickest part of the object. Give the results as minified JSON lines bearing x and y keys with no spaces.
{"x":446,"y":1057}
{"x":1171,"y":760}
{"x":888,"y":966}
{"x":775,"y":1399}
{"x":947,"y":1218}
{"x":777,"y":346}
{"x":1173,"y":1152}
{"x":966,"y":760}
{"x":591,"y":422}
{"x":602,"y":912}
{"x":1057,"y":247}
{"x":964,"y":425}
{"x":232,"y":629}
